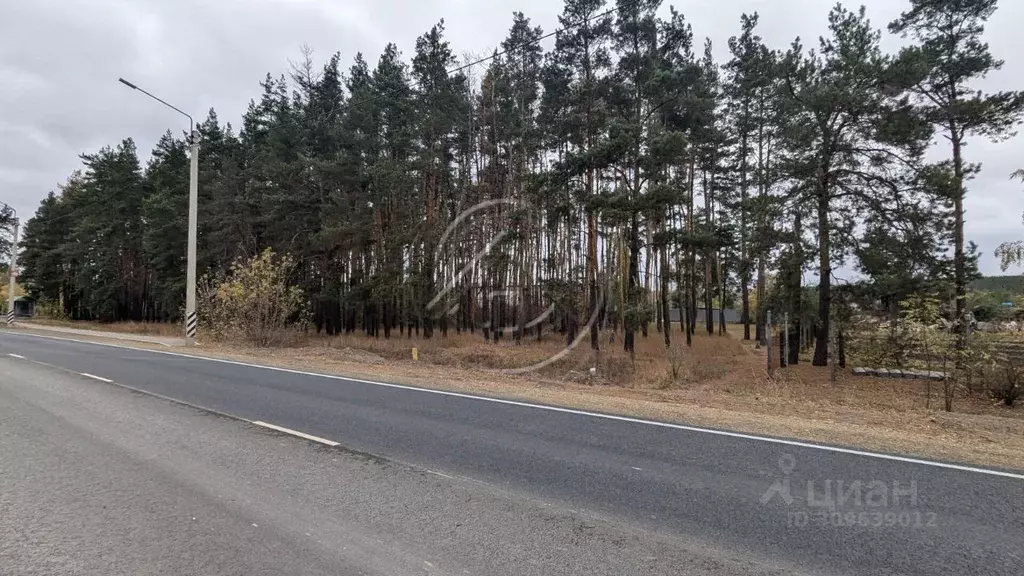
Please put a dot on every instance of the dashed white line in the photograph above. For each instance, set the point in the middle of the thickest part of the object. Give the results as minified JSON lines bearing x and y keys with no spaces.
{"x":584,"y":413}
{"x":94,"y":377}
{"x":325,"y":441}
{"x":18,"y":356}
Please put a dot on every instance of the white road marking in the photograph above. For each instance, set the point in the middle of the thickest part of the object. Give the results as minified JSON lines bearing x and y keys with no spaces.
{"x":638,"y":469}
{"x":18,"y":356}
{"x":330,"y":443}
{"x":439,"y":474}
{"x":686,"y":428}
{"x":100,"y":378}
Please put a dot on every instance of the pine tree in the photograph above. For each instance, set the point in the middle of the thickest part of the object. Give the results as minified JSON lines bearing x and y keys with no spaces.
{"x":165,"y":210}
{"x":951,"y":54}
{"x":635,"y":36}
{"x":46,"y":271}
{"x":746,"y":77}
{"x":851,"y":139}
{"x":440,"y":100}
{"x":581,"y":61}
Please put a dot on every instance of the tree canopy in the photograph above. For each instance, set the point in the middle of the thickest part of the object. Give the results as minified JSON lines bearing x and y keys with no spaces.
{"x":621,"y":174}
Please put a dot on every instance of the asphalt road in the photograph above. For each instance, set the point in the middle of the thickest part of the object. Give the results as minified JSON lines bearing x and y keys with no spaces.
{"x":631,"y":497}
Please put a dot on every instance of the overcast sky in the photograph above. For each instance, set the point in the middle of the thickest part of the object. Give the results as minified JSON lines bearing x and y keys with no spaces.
{"x":60,"y":60}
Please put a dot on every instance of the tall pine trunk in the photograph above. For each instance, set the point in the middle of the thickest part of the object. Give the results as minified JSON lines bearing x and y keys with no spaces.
{"x":796,"y":288}
{"x":633,"y":284}
{"x":824,"y":275}
{"x":709,"y":319}
{"x":744,"y":257}
{"x":666,"y":318}
{"x":959,"y":258}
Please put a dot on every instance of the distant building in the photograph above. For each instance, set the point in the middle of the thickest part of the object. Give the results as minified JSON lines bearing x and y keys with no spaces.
{"x":731,"y":316}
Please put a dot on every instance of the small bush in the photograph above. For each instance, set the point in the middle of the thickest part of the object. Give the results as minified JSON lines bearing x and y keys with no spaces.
{"x":1009,"y":388}
{"x":50,"y":310}
{"x":253,"y":302}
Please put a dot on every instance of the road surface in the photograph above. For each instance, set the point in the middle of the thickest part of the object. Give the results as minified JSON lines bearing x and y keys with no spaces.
{"x":98,"y":479}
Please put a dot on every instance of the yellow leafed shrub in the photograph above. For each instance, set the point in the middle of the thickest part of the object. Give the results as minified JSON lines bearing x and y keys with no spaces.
{"x":253,"y":302}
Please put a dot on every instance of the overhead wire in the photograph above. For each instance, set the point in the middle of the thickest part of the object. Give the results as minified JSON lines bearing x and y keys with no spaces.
{"x":479,"y":61}
{"x":506,"y":51}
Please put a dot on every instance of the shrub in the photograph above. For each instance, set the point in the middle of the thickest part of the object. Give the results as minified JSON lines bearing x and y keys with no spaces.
{"x":253,"y":302}
{"x":50,"y":309}
{"x":1009,"y":389}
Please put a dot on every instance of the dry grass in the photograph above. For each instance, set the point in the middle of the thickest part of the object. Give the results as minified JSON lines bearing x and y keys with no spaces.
{"x":720,"y":382}
{"x":138,"y":328}
{"x":651,"y":368}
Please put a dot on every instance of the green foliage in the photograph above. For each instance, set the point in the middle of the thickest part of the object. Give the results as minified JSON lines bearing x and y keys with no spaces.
{"x":253,"y":301}
{"x":950,"y":55}
{"x":988,"y":306}
{"x":165,"y":210}
{"x":7,"y":221}
{"x":916,"y":338}
{"x":1012,"y":284}
{"x":46,"y":269}
{"x":843,"y":115}
{"x":628,"y":155}
{"x":5,"y":286}
{"x":921,"y":338}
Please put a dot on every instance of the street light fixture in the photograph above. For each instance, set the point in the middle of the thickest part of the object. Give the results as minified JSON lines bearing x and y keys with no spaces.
{"x":11,"y":270}
{"x":193,"y":216}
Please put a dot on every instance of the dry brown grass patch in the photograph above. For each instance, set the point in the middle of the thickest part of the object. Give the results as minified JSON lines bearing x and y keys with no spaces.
{"x":138,"y":328}
{"x":652,"y":367}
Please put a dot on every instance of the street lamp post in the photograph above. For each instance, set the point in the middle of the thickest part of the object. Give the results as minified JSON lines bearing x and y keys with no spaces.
{"x":11,"y":271}
{"x":193,"y":217}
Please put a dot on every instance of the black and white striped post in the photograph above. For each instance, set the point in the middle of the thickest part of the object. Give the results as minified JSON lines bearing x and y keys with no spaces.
{"x":190,"y":326}
{"x":193,"y":199}
{"x":12,"y":269}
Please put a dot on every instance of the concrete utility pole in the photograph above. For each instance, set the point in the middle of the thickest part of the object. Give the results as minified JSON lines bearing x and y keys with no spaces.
{"x":193,"y":217}
{"x":191,"y":319}
{"x":12,"y":271}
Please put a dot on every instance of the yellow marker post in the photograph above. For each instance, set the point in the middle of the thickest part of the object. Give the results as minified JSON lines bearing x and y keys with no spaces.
{"x":415,"y":354}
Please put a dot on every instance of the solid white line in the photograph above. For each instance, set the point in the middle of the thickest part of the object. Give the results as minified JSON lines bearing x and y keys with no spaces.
{"x":296,"y":433}
{"x":697,"y":429}
{"x":100,"y":378}
{"x":18,"y":356}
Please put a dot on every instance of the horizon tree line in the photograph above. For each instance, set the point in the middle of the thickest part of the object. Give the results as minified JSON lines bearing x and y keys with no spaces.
{"x":622,"y":174}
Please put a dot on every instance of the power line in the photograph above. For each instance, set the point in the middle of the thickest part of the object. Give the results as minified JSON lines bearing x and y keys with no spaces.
{"x":463,"y":67}
{"x":506,"y":51}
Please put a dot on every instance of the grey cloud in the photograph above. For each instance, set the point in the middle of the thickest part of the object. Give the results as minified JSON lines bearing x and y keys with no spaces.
{"x":60,"y":59}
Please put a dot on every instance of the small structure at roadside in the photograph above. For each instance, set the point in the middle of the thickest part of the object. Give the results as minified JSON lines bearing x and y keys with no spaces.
{"x":24,"y":307}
